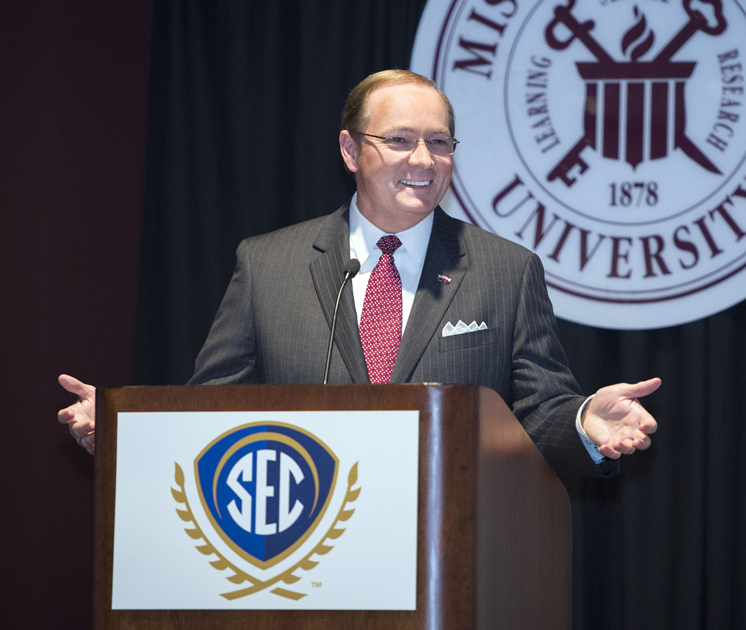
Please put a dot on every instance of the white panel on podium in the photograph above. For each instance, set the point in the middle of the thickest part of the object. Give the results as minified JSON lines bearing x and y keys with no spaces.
{"x":266,"y":510}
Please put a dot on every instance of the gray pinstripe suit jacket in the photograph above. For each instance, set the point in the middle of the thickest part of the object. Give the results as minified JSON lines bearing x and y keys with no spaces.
{"x":273,"y":325}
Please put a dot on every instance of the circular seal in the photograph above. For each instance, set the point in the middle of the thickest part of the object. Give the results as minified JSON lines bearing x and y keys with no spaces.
{"x":608,"y":136}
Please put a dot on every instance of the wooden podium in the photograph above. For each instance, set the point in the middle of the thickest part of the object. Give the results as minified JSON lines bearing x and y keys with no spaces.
{"x":493,"y":526}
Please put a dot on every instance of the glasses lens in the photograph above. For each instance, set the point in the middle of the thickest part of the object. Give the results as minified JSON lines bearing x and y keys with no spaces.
{"x":440,"y":146}
{"x":400,"y":143}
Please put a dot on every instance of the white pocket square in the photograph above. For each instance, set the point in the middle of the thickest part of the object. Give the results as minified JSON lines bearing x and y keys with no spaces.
{"x":460,"y":328}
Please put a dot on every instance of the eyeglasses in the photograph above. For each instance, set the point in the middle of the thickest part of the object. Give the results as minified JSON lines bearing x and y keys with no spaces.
{"x":441,"y":146}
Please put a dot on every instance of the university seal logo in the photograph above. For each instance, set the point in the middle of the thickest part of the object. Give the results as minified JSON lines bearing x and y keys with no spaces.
{"x":609,"y":137}
{"x":264,"y":488}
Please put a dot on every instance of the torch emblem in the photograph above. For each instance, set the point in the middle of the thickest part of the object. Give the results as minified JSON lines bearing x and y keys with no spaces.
{"x":635,"y":110}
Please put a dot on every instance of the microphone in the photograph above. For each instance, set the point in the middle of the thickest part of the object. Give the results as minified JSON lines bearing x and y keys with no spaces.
{"x":350,"y":271}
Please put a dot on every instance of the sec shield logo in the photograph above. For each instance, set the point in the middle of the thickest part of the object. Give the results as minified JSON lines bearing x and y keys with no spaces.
{"x":609,"y":137}
{"x":264,"y":488}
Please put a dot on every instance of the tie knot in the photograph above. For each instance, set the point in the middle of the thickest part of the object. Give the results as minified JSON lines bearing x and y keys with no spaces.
{"x":389,"y":244}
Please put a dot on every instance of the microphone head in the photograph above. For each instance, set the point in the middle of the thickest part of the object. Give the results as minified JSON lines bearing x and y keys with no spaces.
{"x":352,"y":267}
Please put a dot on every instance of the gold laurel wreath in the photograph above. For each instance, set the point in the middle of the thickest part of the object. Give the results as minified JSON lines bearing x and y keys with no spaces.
{"x":239,"y":576}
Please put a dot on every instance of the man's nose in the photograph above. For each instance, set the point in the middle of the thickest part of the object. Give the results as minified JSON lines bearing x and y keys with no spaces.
{"x":421,"y":155}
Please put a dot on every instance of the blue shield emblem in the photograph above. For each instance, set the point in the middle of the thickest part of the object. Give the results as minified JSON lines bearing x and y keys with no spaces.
{"x":265,"y":488}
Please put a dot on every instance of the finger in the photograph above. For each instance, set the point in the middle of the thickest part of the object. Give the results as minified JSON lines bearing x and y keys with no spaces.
{"x":648,"y":425}
{"x":88,"y":440}
{"x":630,"y":443}
{"x":625,"y":447}
{"x":66,"y":415}
{"x":638,"y":390}
{"x":81,"y":428}
{"x":609,"y":452}
{"x":74,"y":386}
{"x":643,"y":444}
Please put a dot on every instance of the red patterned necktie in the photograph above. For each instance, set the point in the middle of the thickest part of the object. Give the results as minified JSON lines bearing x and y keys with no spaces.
{"x":380,"y":322}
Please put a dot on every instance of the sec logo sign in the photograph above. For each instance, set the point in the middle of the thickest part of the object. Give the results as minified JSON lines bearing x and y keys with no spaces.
{"x":609,"y":137}
{"x":266,"y":510}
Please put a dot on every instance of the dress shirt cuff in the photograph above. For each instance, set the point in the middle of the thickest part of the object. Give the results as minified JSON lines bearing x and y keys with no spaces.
{"x":592,"y":448}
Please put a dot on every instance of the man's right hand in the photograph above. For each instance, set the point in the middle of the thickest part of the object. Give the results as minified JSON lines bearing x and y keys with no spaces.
{"x":80,"y":416}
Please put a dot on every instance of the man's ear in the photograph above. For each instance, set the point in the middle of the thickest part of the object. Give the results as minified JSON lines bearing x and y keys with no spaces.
{"x":349,"y":150}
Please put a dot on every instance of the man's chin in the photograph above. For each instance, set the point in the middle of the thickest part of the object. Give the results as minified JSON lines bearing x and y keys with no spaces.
{"x":414,"y":202}
{"x":422,"y":209}
{"x":421,"y":199}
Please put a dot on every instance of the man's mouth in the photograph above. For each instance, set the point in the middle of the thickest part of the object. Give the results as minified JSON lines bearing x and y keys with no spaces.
{"x":409,"y":182}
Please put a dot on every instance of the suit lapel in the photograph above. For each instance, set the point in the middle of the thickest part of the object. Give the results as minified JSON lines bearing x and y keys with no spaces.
{"x":333,"y":245}
{"x":445,"y":255}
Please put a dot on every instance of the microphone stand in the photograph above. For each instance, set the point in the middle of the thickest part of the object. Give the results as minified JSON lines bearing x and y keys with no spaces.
{"x":350,"y":271}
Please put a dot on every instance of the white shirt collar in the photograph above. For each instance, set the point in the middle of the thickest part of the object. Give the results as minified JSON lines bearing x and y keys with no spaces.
{"x":364,"y":236}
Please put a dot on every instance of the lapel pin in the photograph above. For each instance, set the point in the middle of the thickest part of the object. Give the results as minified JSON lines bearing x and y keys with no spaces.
{"x":444,"y":278}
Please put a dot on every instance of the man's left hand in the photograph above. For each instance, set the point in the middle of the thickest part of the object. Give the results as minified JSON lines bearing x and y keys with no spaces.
{"x":617,"y":422}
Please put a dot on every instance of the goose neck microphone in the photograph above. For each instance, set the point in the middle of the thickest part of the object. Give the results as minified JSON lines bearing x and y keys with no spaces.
{"x":350,"y":271}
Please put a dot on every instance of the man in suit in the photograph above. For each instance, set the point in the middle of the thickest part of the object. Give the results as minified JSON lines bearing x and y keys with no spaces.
{"x":397,"y":139}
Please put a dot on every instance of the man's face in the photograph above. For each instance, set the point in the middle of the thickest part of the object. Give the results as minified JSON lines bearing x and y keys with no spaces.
{"x":396,"y":190}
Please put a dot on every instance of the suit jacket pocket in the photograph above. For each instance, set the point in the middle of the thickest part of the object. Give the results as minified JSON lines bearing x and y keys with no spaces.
{"x":468,"y":340}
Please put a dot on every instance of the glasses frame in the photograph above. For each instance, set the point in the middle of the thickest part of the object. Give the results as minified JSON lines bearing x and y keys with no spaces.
{"x":417,"y":142}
